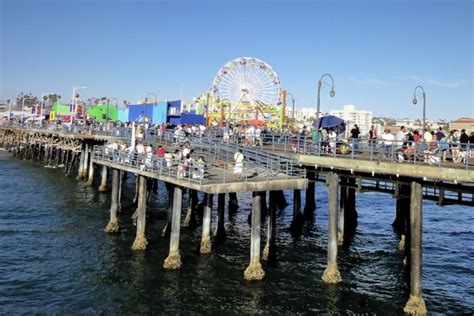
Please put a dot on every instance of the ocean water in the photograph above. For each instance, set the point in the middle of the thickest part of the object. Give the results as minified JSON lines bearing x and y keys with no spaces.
{"x":56,"y":258}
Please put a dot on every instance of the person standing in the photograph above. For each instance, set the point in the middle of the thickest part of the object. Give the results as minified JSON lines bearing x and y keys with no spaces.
{"x":427,"y":136}
{"x":439,"y":134}
{"x":463,"y":139}
{"x":239,"y":164}
{"x":388,"y":139}
{"x":373,"y":138}
{"x":355,"y":132}
{"x":401,"y":136}
{"x":454,"y":142}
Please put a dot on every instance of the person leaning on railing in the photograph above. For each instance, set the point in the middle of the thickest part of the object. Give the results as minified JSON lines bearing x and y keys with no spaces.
{"x":355,"y":133}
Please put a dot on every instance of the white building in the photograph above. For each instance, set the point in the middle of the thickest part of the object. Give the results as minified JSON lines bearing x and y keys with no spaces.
{"x":349,"y":114}
{"x":305,"y":115}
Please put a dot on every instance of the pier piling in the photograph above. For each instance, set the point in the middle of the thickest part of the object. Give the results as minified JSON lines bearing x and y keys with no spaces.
{"x":310,"y":198}
{"x":254,"y":271}
{"x":140,"y":242}
{"x":416,"y":304}
{"x":173,"y":261}
{"x":233,"y":202}
{"x":86,"y":161}
{"x":206,"y":226}
{"x":190,"y":219}
{"x":269,"y":252}
{"x":113,"y":225}
{"x":81,"y":165}
{"x":331,"y":274}
{"x":119,"y":202}
{"x":90,"y":179}
{"x":169,"y":215}
{"x":220,"y":229}
{"x":103,"y":180}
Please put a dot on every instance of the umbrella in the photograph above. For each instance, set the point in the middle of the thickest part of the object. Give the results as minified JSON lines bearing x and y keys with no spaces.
{"x":256,"y":122}
{"x":331,"y":122}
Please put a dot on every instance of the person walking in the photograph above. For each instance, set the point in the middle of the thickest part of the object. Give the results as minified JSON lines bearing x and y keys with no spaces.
{"x":239,"y":164}
{"x":355,"y":132}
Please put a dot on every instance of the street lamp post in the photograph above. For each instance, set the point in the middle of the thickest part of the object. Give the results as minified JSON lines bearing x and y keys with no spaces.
{"x":332,"y":93}
{"x":293,"y":106}
{"x":74,"y":101}
{"x":146,"y":102}
{"x":415,"y":101}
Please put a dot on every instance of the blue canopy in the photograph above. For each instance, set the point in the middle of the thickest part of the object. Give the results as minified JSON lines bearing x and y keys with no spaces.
{"x":331,"y":122}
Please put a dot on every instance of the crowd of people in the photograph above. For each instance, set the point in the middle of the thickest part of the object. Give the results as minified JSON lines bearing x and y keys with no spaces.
{"x":457,"y":145}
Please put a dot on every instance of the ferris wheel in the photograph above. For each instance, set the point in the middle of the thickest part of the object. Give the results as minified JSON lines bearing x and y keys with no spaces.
{"x":247,"y":81}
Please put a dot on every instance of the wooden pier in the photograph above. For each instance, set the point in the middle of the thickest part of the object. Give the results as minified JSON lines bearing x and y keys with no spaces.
{"x":267,"y":169}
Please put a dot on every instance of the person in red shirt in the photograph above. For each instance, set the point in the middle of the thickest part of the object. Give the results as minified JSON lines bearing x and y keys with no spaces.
{"x":160,"y":151}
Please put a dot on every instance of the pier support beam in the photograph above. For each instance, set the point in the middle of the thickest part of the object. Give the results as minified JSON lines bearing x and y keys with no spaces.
{"x":254,"y":271}
{"x":347,"y":215}
{"x":90,"y":179}
{"x":416,"y":304}
{"x":331,"y":274}
{"x":233,"y":202}
{"x":269,"y":252}
{"x":119,"y":202}
{"x":86,"y":161}
{"x":140,"y":242}
{"x":281,"y":200}
{"x":169,"y":216}
{"x":402,"y":219}
{"x":190,"y":220}
{"x":173,"y":261}
{"x":220,"y":229}
{"x":310,"y":198}
{"x":81,"y":165}
{"x":340,"y":212}
{"x":135,"y":197}
{"x":113,"y":225}
{"x":206,"y":226}
{"x":103,"y":179}
{"x":350,"y":210}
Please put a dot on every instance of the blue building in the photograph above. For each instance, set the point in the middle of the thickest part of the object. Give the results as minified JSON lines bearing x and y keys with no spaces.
{"x":123,"y":114}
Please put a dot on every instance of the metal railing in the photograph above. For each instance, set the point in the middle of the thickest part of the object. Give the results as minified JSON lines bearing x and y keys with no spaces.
{"x":439,"y":154}
{"x":207,"y":166}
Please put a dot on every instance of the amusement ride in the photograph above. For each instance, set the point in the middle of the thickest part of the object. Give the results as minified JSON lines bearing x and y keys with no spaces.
{"x":244,"y":89}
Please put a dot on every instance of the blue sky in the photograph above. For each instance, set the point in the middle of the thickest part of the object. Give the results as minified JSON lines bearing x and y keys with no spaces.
{"x":377,"y":51}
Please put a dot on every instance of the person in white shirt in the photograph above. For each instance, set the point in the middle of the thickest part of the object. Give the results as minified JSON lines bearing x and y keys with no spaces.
{"x":186,"y":150}
{"x":388,"y":139}
{"x":239,"y":164}
{"x":140,"y":148}
{"x":401,"y":136}
{"x":427,"y":136}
